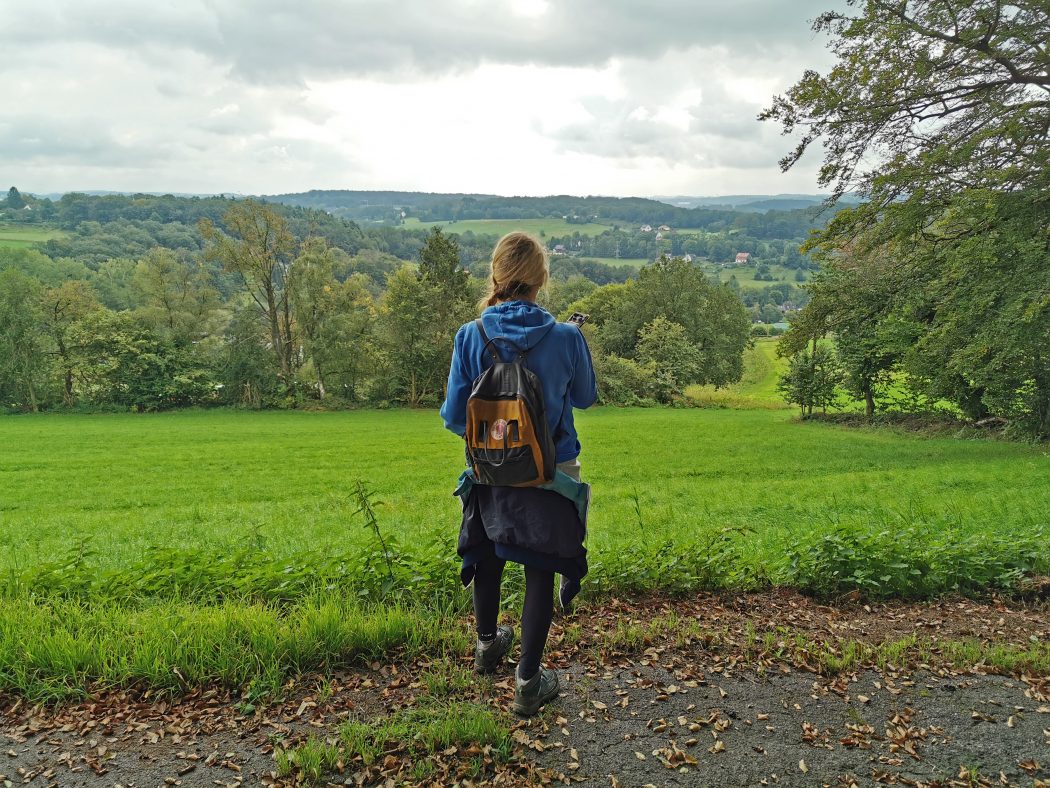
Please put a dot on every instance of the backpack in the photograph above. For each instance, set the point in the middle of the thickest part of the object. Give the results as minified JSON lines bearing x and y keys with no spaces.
{"x":508,"y":440}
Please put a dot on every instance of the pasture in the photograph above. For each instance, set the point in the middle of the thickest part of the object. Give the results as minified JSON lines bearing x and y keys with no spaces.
{"x":745,"y":274}
{"x":757,"y":387}
{"x":178,"y":549}
{"x":622,"y":262}
{"x":22,"y":235}
{"x":545,"y":228}
{"x":683,"y":498}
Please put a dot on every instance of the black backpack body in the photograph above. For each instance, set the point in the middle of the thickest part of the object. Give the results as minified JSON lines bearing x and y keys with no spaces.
{"x":508,"y":440}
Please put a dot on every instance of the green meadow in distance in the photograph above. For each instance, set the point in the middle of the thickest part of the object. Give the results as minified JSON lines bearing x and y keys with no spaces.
{"x":550,"y":227}
{"x":21,"y":235}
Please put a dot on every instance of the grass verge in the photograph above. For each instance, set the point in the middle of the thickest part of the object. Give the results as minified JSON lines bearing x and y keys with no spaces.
{"x":825,"y":656}
{"x":477,"y":734}
{"x":54,"y":650}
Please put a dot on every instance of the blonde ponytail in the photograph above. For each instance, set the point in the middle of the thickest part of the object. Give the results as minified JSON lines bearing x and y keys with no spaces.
{"x":519,"y":267}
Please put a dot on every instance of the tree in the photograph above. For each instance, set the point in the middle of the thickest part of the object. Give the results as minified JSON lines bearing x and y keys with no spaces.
{"x":449,"y":292}
{"x":674,"y":361}
{"x":946,"y":96}
{"x":259,"y":249}
{"x":121,"y":361}
{"x":810,"y":379}
{"x":114,"y":282}
{"x":15,"y":201}
{"x":418,"y":359}
{"x":938,"y":113}
{"x":335,"y":318}
{"x":23,"y":360}
{"x":420,"y":315}
{"x":62,"y":308}
{"x":713,"y":317}
{"x":175,"y":297}
{"x":853,"y":299}
{"x":558,"y":295}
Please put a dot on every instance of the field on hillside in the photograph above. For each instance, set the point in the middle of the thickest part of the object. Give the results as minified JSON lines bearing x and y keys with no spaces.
{"x":758,"y":385}
{"x":19,"y":235}
{"x":628,"y":262}
{"x":544,"y":227}
{"x":745,"y":274}
{"x":215,"y":482}
{"x":173,"y":550}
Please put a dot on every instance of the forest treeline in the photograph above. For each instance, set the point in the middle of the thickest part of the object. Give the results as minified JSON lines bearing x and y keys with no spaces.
{"x":624,"y":212}
{"x":245,"y":310}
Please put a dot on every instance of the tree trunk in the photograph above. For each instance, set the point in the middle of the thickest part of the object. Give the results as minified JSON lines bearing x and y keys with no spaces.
{"x":869,"y":403}
{"x":320,"y":380}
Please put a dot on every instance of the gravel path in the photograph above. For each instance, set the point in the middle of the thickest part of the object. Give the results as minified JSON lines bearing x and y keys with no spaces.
{"x":644,"y":726}
{"x":696,"y":707}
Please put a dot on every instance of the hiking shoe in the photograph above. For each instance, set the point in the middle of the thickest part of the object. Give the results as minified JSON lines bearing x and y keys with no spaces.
{"x":487,"y":656}
{"x":531,"y":695}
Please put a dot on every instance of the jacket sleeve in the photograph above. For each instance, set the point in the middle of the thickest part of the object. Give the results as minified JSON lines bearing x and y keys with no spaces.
{"x":583,"y":390}
{"x":454,"y":409}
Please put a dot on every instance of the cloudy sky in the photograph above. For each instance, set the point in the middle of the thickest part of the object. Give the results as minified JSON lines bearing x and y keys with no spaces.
{"x":620,"y":97}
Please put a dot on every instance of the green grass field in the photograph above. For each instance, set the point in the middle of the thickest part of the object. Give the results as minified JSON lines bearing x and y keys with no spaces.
{"x":745,"y":275}
{"x":632,"y":262}
{"x":547,"y":227}
{"x":214,"y":481}
{"x":758,"y":386}
{"x":21,"y":235}
{"x":178,"y":549}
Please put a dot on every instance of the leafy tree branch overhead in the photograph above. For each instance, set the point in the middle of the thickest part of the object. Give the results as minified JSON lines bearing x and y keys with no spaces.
{"x":935,"y":95}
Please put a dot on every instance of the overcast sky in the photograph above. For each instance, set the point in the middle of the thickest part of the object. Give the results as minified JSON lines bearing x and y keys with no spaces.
{"x":618,"y":97}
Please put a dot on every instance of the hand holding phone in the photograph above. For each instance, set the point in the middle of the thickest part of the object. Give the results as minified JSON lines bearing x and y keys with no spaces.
{"x":578,"y":318}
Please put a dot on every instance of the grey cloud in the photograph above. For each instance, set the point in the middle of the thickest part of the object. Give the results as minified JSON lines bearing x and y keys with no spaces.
{"x":273,"y":40}
{"x":722,"y":129}
{"x":50,"y":139}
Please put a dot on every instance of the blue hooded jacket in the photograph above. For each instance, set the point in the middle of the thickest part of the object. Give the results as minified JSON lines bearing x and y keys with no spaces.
{"x":557,"y":353}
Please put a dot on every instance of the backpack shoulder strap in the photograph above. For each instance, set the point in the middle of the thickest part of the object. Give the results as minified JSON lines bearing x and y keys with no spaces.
{"x":488,"y":342}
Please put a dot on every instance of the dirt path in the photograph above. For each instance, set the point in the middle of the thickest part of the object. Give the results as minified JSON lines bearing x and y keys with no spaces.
{"x":715,"y":690}
{"x":648,"y":725}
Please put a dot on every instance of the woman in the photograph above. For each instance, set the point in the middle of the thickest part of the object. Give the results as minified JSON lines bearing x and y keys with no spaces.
{"x":540,"y":528}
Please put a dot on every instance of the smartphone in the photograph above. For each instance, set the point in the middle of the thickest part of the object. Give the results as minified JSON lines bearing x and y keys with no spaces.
{"x":578,"y":318}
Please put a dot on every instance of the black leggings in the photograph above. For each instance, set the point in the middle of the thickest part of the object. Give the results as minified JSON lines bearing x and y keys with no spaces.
{"x":536,"y":613}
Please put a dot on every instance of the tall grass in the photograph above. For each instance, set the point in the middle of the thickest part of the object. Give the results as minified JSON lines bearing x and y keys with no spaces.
{"x":52,"y":650}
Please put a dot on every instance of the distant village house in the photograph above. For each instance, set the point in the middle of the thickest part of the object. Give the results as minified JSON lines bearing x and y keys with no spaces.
{"x":743,"y":258}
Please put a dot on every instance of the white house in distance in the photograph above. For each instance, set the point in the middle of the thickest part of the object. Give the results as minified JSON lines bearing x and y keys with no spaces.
{"x":664,"y":228}
{"x":743,"y":258}
{"x":646,"y":228}
{"x":559,"y":249}
{"x":687,"y":258}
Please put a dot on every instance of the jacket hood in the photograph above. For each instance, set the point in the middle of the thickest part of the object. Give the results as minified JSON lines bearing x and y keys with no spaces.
{"x":523,"y":323}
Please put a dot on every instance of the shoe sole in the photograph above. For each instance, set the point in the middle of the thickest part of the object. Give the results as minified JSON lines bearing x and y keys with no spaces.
{"x":528,"y":711}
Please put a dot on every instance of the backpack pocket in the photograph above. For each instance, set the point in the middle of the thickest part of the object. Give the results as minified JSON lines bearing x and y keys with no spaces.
{"x":506,"y":467}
